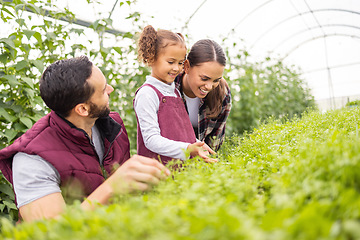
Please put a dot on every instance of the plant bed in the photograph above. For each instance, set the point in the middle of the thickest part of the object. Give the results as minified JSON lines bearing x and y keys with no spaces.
{"x":294,"y":180}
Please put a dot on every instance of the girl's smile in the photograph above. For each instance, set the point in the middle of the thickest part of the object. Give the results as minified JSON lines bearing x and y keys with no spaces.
{"x":169,"y":63}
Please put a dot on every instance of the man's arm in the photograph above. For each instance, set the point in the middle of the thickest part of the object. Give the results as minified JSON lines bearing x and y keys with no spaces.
{"x":137,"y":174}
{"x":46,"y":207}
{"x":36,"y":185}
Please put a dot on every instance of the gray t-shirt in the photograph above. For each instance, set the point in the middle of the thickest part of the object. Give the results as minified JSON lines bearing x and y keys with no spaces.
{"x":192,"y":105}
{"x":34,"y":177}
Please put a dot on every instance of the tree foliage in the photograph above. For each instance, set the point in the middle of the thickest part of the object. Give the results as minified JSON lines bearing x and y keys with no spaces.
{"x":263,"y":89}
{"x":39,"y":33}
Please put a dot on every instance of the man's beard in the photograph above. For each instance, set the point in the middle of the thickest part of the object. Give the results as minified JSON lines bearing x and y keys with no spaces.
{"x":98,"y":112}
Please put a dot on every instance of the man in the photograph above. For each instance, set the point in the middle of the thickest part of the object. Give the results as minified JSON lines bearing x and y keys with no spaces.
{"x":76,"y":148}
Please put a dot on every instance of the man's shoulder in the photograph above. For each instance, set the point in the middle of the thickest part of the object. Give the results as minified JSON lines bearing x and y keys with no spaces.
{"x":43,"y":122}
{"x":116,"y":117}
{"x":22,"y":142}
{"x":114,"y":114}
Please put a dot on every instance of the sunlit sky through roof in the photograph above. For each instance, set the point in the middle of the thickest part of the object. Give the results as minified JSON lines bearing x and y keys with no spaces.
{"x":293,"y":29}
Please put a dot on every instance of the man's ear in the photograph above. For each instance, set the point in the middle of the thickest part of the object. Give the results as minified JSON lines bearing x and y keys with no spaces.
{"x":186,"y":66}
{"x":82,"y":109}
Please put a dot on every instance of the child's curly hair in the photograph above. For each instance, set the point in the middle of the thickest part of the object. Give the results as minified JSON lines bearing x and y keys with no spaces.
{"x":151,"y":42}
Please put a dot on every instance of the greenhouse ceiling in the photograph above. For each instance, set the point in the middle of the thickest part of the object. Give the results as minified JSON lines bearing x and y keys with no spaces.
{"x":321,"y":37}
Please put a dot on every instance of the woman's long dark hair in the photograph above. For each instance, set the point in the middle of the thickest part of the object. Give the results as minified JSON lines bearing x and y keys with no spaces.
{"x":203,"y":51}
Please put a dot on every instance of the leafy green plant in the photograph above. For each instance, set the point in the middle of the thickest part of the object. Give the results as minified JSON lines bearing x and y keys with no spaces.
{"x":262,"y":89}
{"x":38,"y":34}
{"x":7,"y":206}
{"x":297,"y":179}
{"x":353,"y":103}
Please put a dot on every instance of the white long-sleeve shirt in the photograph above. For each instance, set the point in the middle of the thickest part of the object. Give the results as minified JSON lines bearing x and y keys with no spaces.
{"x":146,"y":105}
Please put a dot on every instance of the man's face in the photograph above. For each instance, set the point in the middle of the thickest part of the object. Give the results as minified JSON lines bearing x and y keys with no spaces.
{"x":99,"y":101}
{"x":98,"y":111}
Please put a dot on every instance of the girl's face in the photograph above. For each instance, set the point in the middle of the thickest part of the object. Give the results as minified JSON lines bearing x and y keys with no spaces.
{"x":169,"y":63}
{"x":201,"y":79}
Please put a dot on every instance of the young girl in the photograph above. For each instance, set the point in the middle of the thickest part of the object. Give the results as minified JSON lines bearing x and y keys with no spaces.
{"x":164,"y":128}
{"x":205,"y":93}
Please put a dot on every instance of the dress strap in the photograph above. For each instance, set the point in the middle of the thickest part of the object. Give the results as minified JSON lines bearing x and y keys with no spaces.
{"x":160,"y":95}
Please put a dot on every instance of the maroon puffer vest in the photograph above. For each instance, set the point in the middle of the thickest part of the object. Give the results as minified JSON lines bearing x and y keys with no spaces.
{"x":69,"y":149}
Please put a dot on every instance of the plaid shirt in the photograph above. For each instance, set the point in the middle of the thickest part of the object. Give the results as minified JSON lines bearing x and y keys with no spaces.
{"x":211,"y":131}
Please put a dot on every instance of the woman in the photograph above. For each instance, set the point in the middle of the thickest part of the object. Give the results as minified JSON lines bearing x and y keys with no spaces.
{"x":205,"y":93}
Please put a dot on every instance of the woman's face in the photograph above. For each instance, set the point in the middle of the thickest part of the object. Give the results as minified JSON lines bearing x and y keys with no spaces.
{"x":201,"y":79}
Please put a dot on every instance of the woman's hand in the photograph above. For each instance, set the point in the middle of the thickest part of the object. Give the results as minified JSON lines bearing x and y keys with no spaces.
{"x":202,"y":150}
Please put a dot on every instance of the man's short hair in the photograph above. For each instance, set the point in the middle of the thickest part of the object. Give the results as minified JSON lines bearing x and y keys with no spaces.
{"x":63,"y":84}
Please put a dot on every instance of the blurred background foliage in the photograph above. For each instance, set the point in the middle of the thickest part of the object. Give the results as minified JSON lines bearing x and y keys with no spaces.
{"x":40,"y":33}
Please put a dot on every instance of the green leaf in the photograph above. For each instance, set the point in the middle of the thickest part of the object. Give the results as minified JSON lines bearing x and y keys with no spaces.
{"x":30,"y":93}
{"x":11,"y":79}
{"x":8,"y":12}
{"x":118,"y":49}
{"x":38,"y":64}
{"x":3,"y":58}
{"x":95,"y":24}
{"x":37,"y":35}
{"x":10,"y":134}
{"x":51,"y":35}
{"x":28,"y":81}
{"x":34,"y":8}
{"x":29,"y":33}
{"x":19,"y":7}
{"x":20,"y":21}
{"x":6,"y":115}
{"x":8,"y":41}
{"x":10,"y":205}
{"x":77,"y":30}
{"x":21,"y":65}
{"x":26,"y":121}
{"x":108,"y":21}
{"x":19,"y":127}
{"x":5,"y":188}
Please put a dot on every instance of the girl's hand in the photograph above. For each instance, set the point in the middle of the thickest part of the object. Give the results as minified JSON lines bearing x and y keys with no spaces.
{"x":202,"y":150}
{"x":207,"y":148}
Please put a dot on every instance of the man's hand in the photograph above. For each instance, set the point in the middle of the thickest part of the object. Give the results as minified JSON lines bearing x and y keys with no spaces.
{"x":136,"y":174}
{"x":202,"y":150}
